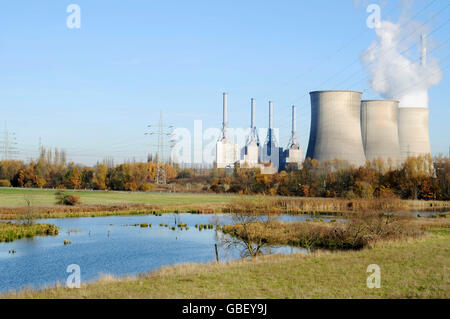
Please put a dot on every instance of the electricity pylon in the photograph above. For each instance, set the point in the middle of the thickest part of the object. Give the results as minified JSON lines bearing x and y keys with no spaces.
{"x":162,"y":132}
{"x":8,"y":143}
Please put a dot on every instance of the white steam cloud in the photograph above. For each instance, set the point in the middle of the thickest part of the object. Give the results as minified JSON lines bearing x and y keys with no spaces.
{"x":396,"y":71}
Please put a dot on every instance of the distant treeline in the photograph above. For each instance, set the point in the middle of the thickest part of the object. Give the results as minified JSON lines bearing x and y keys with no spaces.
{"x":52,"y":171}
{"x":418,"y":178}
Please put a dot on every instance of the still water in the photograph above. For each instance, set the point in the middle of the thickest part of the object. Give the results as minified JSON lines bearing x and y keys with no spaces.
{"x":112,"y":245}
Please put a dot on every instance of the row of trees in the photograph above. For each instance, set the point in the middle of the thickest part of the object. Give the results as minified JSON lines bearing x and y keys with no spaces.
{"x":52,"y":171}
{"x":418,"y":178}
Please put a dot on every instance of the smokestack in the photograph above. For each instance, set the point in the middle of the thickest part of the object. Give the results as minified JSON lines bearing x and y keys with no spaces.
{"x":423,"y":54}
{"x":223,"y":134}
{"x":253,"y":136}
{"x":225,"y":110}
{"x":294,"y":120}
{"x":253,"y":114}
{"x":270,"y":115}
{"x":293,"y":144}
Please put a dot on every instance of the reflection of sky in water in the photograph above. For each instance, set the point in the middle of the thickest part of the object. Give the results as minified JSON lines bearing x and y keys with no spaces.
{"x":126,"y":250}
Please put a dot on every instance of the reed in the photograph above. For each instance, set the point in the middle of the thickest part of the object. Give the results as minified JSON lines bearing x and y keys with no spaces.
{"x":354,"y":234}
{"x":12,"y":231}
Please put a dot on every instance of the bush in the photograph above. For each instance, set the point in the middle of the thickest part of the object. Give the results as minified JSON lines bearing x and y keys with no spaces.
{"x":147,"y":187}
{"x":65,"y":199}
{"x":5,"y":183}
{"x":71,"y":200}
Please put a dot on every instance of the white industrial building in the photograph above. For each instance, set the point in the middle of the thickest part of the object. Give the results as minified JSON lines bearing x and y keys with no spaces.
{"x":293,"y":154}
{"x":227,"y":152}
{"x":250,"y":152}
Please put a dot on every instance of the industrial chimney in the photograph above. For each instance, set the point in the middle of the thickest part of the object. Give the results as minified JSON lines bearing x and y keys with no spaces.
{"x":293,"y":144}
{"x":253,"y":135}
{"x":293,"y":154}
{"x":223,"y":134}
{"x":271,"y":152}
{"x":336,"y":127}
{"x":226,"y":151}
{"x":379,"y":129}
{"x":251,"y":150}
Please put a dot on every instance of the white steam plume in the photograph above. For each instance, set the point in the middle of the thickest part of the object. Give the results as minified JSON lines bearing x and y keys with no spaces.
{"x":396,"y":72}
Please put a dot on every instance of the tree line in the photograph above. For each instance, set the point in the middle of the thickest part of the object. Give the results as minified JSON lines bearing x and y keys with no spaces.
{"x":51,"y":170}
{"x":418,"y":178}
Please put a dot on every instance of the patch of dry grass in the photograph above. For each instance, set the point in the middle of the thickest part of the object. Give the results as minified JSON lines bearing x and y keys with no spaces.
{"x":357,"y":233}
{"x":100,"y":203}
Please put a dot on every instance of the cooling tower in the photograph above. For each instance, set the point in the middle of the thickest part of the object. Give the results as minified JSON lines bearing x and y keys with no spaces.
{"x":413,"y":131}
{"x":336,"y":127}
{"x":379,"y":129}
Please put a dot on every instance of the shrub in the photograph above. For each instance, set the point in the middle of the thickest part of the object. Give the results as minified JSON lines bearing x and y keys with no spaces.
{"x":71,"y":200}
{"x":147,"y":187}
{"x":5,"y":183}
{"x":66,"y":199}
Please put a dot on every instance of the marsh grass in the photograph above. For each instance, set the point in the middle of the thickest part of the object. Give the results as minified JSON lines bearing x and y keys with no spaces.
{"x":324,"y":206}
{"x":357,"y":233}
{"x":137,"y":203}
{"x":12,"y":231}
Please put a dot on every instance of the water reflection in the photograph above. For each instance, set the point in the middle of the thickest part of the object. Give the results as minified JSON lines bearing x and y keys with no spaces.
{"x":112,"y":245}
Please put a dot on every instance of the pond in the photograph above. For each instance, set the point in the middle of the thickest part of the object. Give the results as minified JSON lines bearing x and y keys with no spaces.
{"x":114,"y":245}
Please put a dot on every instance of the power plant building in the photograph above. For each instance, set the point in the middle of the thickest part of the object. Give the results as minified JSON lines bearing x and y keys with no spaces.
{"x":336,"y":127}
{"x":342,"y":127}
{"x":271,"y":153}
{"x":293,"y":154}
{"x":227,"y":152}
{"x":379,"y":129}
{"x":251,"y":150}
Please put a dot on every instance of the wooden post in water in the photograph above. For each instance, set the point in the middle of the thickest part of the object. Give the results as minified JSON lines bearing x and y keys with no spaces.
{"x":217,"y":253}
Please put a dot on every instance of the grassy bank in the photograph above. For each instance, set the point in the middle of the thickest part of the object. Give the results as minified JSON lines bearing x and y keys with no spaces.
{"x":12,"y":231}
{"x":12,"y":202}
{"x":415,"y":268}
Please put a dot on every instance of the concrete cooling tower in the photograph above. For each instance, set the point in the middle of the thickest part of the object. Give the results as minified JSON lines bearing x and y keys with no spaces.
{"x":413,"y":131}
{"x":379,"y":129}
{"x":336,"y":127}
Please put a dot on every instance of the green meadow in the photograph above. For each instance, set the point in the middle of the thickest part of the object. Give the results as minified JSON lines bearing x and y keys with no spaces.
{"x":15,"y":197}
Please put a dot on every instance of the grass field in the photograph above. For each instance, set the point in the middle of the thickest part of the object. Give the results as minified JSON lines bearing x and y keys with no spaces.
{"x":15,"y":197}
{"x":416,"y":268}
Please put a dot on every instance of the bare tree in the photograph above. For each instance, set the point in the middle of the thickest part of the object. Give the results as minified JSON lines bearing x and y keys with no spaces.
{"x":29,"y":212}
{"x":251,"y":232}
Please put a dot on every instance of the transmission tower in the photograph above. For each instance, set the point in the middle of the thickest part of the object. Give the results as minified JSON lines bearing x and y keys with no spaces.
{"x":162,"y":132}
{"x":8,"y":143}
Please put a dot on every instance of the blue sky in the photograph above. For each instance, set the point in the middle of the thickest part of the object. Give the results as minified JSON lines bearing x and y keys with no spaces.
{"x":94,"y":90}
